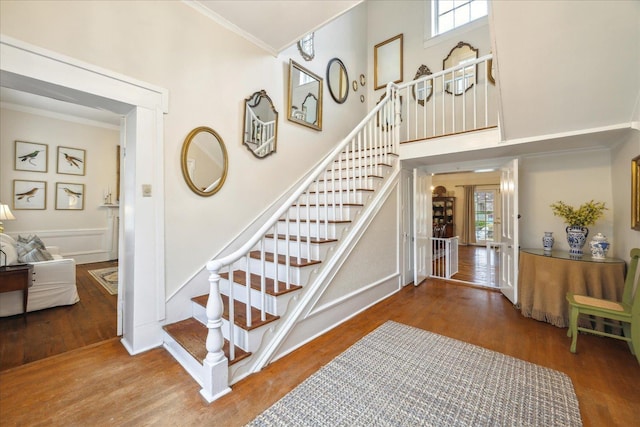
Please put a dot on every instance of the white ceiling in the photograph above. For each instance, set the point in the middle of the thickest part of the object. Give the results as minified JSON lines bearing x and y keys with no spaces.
{"x":273,"y":25}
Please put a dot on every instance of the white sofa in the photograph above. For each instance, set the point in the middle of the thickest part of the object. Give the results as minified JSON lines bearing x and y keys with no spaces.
{"x":54,"y":281}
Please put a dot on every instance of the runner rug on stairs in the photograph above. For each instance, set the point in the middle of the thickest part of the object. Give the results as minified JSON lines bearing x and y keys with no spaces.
{"x":108,"y":278}
{"x":403,"y":376}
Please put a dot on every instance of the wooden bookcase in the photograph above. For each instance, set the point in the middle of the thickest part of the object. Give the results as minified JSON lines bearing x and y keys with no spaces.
{"x":444,"y":209}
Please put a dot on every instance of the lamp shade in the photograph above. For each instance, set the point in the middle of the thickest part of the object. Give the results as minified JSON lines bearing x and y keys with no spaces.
{"x":5,"y":213}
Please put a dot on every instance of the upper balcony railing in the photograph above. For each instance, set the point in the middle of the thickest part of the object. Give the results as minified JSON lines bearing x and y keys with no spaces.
{"x":452,"y":101}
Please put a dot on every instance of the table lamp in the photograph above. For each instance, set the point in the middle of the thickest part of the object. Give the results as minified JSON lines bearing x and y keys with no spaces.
{"x":5,"y":215}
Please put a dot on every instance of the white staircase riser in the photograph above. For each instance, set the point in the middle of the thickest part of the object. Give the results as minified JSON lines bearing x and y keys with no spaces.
{"x":274,"y":304}
{"x":308,"y":251}
{"x":331,"y":197}
{"x":320,"y":230}
{"x":246,"y":340}
{"x":332,"y":213}
{"x":369,"y":156}
{"x":337,"y":171}
{"x":345,"y":184}
{"x":297,"y":275}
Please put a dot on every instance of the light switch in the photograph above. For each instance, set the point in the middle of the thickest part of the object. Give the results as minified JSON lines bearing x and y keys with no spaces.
{"x":146,"y":190}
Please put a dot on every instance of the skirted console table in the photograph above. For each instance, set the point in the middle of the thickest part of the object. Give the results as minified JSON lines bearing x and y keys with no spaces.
{"x":545,"y":278}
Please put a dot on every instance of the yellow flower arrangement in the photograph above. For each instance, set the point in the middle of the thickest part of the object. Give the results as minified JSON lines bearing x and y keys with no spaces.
{"x":587,"y":214}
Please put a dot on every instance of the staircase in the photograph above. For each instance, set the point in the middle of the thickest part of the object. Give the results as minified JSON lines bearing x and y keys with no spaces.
{"x":259,"y":293}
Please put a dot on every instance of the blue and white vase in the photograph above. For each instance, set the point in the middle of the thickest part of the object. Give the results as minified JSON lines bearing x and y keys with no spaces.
{"x":547,"y":241}
{"x":576,"y":237}
{"x":599,"y":246}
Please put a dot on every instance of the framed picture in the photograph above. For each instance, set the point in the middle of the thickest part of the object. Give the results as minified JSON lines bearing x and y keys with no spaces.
{"x":29,"y":194}
{"x":69,"y":196}
{"x":387,"y":62}
{"x":635,"y":193}
{"x":31,"y":156}
{"x":71,"y":161}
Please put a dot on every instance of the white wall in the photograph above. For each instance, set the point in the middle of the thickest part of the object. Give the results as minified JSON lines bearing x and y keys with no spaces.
{"x":390,"y":18}
{"x":208,"y":72}
{"x":574,"y":178}
{"x":625,"y":237}
{"x":80,"y":234}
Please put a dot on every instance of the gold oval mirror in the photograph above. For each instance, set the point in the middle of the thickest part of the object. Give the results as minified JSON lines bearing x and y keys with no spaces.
{"x":204,"y":161}
{"x":462,"y":79}
{"x":338,"y":81}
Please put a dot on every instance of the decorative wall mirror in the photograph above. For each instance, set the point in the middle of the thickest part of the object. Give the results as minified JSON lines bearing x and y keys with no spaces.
{"x":387,"y":62}
{"x":204,"y":161}
{"x":305,"y":96}
{"x":491,"y":72}
{"x":635,"y":193}
{"x":306,"y":47}
{"x":337,"y":80}
{"x":362,"y":80}
{"x":422,"y":91}
{"x":260,"y":124}
{"x":462,"y":79}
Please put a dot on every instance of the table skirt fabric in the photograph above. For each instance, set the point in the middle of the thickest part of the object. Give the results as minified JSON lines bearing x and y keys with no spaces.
{"x":545,"y":281}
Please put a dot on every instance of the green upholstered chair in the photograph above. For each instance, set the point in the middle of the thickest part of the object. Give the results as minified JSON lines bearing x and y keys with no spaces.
{"x":627,"y":312}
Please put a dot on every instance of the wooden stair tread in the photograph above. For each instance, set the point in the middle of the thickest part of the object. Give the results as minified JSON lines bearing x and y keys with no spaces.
{"x":341,"y":191}
{"x":387,"y":165}
{"x":354,"y":177}
{"x":293,"y":260}
{"x":240,"y":312}
{"x":330,"y":204}
{"x":192,"y":336}
{"x":240,"y":277}
{"x":331,"y":221}
{"x":302,"y":239}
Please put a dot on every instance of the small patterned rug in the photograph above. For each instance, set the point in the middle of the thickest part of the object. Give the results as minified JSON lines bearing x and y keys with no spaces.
{"x":399,"y":375}
{"x":108,"y":278}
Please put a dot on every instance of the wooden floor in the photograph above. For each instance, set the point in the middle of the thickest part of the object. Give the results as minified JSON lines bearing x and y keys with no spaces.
{"x":474,"y":267}
{"x":60,"y":329}
{"x":101,"y":384}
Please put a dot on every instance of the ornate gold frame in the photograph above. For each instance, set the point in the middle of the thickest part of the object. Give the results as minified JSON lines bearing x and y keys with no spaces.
{"x":635,"y":193}
{"x":387,"y":62}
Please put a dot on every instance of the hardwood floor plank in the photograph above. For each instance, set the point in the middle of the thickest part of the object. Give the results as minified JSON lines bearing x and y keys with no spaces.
{"x":60,"y":329}
{"x":102,"y":384}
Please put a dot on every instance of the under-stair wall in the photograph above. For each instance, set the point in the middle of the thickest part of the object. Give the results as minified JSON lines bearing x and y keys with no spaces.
{"x":369,"y":274}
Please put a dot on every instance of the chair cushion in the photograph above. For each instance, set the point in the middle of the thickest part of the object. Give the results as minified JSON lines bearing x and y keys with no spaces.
{"x":597,"y":302}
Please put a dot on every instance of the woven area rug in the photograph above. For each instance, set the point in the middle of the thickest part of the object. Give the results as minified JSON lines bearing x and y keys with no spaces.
{"x":403,"y":376}
{"x":108,"y":278}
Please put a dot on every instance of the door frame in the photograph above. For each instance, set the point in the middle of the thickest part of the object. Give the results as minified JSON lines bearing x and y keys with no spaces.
{"x":36,"y":70}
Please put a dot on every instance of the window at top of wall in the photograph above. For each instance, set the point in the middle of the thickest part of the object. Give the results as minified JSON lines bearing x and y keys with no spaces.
{"x":449,"y":14}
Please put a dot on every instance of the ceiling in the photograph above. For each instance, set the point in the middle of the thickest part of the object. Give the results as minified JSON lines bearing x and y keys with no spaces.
{"x":273,"y":25}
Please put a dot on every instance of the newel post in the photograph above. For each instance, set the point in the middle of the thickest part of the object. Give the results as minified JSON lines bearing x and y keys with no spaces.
{"x":215,"y":381}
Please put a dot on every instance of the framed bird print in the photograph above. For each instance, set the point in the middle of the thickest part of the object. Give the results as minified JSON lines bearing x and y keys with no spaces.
{"x":29,"y":194}
{"x":69,"y":196}
{"x":31,"y":156}
{"x":71,"y":161}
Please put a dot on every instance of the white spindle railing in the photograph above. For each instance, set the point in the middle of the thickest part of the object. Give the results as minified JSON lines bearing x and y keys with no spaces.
{"x":352,"y":162}
{"x":444,"y":256}
{"x":445,"y":113}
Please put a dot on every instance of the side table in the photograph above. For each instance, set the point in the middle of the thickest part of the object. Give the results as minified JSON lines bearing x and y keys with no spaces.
{"x":17,"y":278}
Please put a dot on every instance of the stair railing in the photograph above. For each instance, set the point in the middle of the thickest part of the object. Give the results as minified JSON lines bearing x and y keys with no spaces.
{"x":353,"y":161}
{"x":439,"y":104}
